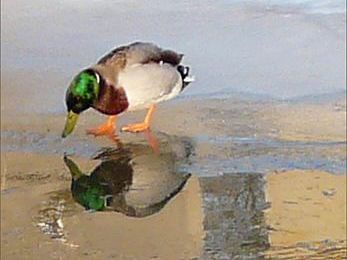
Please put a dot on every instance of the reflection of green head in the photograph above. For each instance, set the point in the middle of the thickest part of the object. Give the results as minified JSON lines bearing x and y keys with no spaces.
{"x":81,"y":94}
{"x":90,"y":194}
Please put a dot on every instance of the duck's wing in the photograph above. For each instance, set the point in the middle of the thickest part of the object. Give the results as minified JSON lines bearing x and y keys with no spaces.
{"x":149,"y":84}
{"x":147,"y":73}
{"x":140,"y":53}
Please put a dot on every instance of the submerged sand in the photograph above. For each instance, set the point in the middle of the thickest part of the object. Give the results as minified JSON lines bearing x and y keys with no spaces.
{"x":307,"y":214}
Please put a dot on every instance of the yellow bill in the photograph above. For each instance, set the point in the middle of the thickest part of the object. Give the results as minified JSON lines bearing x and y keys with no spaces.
{"x":70,"y":123}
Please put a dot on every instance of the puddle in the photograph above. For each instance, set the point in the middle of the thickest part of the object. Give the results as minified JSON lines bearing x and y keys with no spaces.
{"x":193,"y":198}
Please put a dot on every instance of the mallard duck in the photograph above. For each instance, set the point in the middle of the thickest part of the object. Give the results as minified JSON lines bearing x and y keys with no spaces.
{"x":129,"y":78}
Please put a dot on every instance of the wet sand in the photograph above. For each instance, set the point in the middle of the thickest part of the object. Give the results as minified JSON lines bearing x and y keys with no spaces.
{"x":307,"y":215}
{"x":246,"y":197}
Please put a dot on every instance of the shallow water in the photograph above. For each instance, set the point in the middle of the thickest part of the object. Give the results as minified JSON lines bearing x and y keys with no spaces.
{"x":230,"y":178}
{"x":135,"y":203}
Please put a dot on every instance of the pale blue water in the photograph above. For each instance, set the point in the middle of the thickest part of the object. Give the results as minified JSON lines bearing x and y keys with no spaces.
{"x":275,"y":48}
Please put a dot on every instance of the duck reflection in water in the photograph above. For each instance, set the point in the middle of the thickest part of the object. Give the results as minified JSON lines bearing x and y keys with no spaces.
{"x":131,"y":180}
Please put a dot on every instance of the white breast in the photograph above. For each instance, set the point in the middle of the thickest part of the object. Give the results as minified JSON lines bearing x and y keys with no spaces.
{"x":145,"y":84}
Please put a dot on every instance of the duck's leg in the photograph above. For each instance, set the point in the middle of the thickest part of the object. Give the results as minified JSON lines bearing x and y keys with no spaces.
{"x":108,"y":128}
{"x":140,"y":127}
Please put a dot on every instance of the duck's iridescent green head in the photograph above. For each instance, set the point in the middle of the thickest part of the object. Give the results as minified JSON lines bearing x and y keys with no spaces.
{"x":81,"y":94}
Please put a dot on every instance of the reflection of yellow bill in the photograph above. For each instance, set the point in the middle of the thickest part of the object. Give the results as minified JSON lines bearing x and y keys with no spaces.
{"x":71,"y":120}
{"x":306,"y":206}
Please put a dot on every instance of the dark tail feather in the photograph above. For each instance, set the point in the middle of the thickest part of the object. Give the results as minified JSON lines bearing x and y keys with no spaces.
{"x":186,"y":78}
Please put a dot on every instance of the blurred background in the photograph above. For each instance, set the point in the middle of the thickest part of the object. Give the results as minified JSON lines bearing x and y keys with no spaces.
{"x":281,"y":49}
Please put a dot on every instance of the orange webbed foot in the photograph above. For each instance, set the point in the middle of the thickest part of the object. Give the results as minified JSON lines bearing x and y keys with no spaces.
{"x":107,"y":129}
{"x":101,"y":130}
{"x":136,"y":128}
{"x":140,"y":127}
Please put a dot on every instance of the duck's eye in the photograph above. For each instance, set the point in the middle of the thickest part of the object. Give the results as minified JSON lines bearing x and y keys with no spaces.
{"x":90,"y":86}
